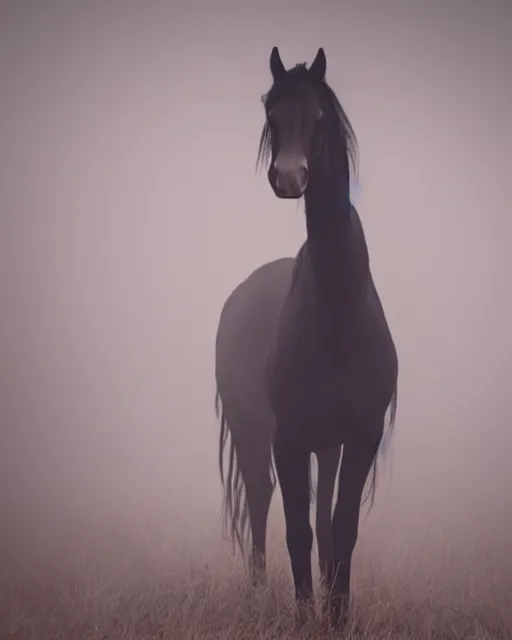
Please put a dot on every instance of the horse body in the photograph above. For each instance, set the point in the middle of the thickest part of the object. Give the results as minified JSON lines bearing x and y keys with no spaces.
{"x":325,"y":366}
{"x":245,"y":327}
{"x":301,"y":356}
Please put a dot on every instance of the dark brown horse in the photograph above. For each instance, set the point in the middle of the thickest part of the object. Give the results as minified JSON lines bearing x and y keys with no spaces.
{"x":305,"y":360}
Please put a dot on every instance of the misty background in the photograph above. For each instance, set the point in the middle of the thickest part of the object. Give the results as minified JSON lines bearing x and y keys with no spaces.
{"x":130,"y":209}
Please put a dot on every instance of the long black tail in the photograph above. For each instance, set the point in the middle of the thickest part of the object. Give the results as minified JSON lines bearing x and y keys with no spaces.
{"x":235,"y":524}
{"x":385,"y":438}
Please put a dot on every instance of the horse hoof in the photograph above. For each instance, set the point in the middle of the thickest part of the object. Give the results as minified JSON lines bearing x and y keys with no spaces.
{"x":258,"y":580}
{"x":303,"y":615}
{"x":338,"y":613}
{"x":339,"y":622}
{"x":258,"y":575}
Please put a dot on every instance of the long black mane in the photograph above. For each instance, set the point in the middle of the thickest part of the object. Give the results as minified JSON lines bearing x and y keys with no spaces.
{"x":339,"y":128}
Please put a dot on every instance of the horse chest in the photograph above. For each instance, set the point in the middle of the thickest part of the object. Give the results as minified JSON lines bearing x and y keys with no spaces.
{"x":307,"y":386}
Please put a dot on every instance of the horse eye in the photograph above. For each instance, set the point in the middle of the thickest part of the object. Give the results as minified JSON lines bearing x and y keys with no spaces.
{"x":320,"y":114}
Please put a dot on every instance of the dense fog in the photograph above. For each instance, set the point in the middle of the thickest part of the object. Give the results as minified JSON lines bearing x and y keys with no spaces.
{"x":130,"y":208}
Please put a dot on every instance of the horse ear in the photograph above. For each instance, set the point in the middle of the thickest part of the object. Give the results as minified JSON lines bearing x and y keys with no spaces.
{"x":276,"y":64}
{"x":319,"y":65}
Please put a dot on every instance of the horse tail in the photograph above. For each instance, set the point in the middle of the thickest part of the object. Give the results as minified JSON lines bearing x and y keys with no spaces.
{"x":235,"y":512}
{"x":235,"y":507}
{"x":383,"y":446}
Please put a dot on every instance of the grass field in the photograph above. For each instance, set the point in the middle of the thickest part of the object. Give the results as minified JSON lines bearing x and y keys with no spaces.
{"x":130,"y":594}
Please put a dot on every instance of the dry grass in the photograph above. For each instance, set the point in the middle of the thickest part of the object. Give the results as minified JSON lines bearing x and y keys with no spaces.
{"x":88,"y":600}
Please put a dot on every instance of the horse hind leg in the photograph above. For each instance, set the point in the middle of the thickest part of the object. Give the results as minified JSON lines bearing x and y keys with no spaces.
{"x":253,"y":483}
{"x":254,"y":459}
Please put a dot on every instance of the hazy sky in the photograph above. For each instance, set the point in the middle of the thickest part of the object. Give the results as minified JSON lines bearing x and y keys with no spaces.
{"x":130,"y":209}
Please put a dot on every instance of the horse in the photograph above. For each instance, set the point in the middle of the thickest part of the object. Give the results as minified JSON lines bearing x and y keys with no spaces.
{"x":305,"y":360}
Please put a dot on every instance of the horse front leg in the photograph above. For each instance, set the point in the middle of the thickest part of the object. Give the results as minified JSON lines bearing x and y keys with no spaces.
{"x":358,"y":456}
{"x":328,"y":462}
{"x":292,"y":467}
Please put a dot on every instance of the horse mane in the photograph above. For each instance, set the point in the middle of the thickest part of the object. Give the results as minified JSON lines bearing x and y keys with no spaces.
{"x":337,"y":122}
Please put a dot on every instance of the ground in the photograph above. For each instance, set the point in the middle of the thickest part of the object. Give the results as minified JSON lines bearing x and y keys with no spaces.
{"x":174,"y":597}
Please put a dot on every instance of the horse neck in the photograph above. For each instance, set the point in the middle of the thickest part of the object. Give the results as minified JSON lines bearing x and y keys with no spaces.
{"x":339,"y":260}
